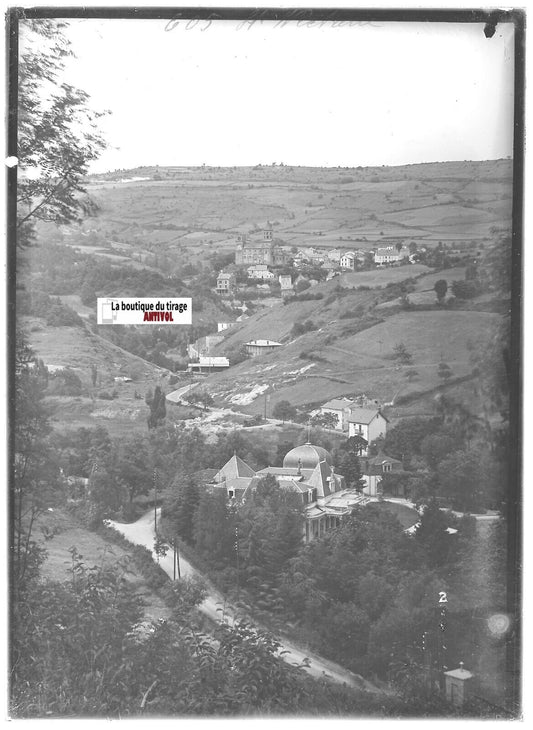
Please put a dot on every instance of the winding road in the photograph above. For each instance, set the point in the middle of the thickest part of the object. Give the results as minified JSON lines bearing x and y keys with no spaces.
{"x":214,"y":606}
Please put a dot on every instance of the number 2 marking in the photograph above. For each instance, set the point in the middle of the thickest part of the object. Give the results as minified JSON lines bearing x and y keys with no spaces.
{"x":442,"y":597}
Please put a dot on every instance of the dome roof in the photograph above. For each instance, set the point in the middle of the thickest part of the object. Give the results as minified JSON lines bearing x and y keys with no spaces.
{"x":306,"y":456}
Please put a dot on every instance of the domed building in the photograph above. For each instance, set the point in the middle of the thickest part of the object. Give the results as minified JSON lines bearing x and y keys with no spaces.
{"x":307,"y":470}
{"x":306,"y":456}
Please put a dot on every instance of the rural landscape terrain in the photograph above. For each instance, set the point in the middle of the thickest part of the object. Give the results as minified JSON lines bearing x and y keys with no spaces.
{"x":168,"y":231}
{"x":140,"y":419}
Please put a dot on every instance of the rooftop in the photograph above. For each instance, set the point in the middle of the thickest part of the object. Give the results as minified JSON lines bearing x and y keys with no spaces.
{"x":264,"y":343}
{"x":338,"y":403}
{"x":306,"y":456}
{"x":363,"y":415}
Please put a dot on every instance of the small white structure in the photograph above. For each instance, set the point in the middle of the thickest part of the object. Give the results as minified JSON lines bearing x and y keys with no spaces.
{"x":208,"y":364}
{"x":259,"y":271}
{"x":256,"y":348}
{"x":221,"y":326}
{"x":457,"y":684}
{"x":285,"y":282}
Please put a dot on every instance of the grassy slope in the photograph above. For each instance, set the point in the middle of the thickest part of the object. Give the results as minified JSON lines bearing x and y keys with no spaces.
{"x":94,"y":550}
{"x":349,"y":362}
{"x":77,"y":348}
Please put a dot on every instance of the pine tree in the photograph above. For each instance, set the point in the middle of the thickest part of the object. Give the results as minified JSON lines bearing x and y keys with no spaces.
{"x":185,"y":511}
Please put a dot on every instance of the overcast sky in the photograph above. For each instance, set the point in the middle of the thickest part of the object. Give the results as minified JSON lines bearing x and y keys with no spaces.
{"x":230,"y":94}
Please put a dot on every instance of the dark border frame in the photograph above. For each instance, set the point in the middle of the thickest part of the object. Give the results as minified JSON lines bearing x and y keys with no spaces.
{"x":514,"y":366}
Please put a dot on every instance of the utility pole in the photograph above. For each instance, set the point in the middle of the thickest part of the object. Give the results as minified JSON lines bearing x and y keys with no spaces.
{"x":175,"y":545}
{"x":237,"y":556}
{"x":441,"y":637}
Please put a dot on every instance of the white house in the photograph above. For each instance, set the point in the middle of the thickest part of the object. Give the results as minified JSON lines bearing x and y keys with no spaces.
{"x":259,"y":271}
{"x":369,"y":423}
{"x":225,"y":282}
{"x":348,"y":260}
{"x":387,"y":255}
{"x":285,"y":281}
{"x":340,"y":408}
{"x":373,"y":470}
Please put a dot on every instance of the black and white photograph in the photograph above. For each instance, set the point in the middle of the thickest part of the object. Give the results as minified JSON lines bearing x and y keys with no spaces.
{"x":264,"y":280}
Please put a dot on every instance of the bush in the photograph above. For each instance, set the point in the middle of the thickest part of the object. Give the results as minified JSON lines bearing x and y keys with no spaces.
{"x":65,"y":382}
{"x":300,"y":328}
{"x":465,"y":289}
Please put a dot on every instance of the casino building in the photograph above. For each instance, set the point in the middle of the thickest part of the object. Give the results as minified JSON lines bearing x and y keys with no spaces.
{"x":307,"y":471}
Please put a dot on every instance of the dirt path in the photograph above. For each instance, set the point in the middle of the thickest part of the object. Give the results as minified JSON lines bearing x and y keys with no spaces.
{"x":142,"y":533}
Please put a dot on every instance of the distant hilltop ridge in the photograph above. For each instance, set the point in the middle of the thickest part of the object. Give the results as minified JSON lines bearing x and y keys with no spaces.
{"x":161,"y":172}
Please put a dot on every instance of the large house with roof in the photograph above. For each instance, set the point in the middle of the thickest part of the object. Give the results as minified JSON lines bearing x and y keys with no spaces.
{"x":374,"y":468}
{"x":367,"y":423}
{"x":308,"y":472}
{"x":387,"y":255}
{"x":226,"y":282}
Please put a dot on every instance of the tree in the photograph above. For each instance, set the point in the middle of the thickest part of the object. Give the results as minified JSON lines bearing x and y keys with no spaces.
{"x":444,"y":371}
{"x":411,"y":374}
{"x":94,"y":374}
{"x":401,"y":354}
{"x":302,"y":285}
{"x":441,"y":287}
{"x":356,"y":444}
{"x":465,"y":289}
{"x":205,"y":398}
{"x":432,"y":534}
{"x":134,"y":468}
{"x":284,"y":410}
{"x":436,"y":447}
{"x":326,"y":420}
{"x":37,"y":483}
{"x":57,"y":133}
{"x":214,"y":528}
{"x":403,"y":440}
{"x":347,"y":464}
{"x":157,"y":405}
{"x":180,"y":516}
{"x":460,"y":479}
{"x":106,"y":492}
